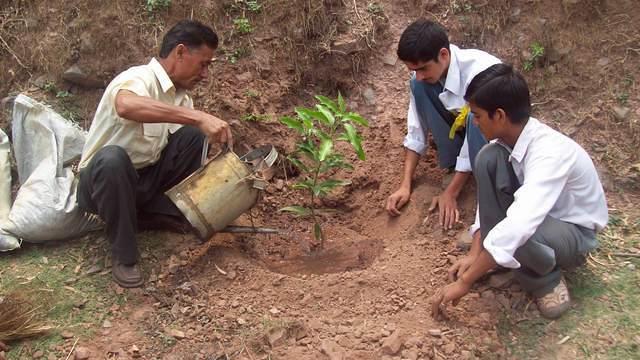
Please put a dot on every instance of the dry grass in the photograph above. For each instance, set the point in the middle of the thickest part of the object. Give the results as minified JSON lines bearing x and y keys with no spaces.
{"x":21,"y":317}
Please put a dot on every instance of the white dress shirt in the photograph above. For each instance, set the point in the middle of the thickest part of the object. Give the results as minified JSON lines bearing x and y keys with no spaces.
{"x":558,"y":179}
{"x":464,"y":66}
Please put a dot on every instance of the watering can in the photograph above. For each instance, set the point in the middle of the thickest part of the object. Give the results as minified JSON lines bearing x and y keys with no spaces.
{"x":222,"y":189}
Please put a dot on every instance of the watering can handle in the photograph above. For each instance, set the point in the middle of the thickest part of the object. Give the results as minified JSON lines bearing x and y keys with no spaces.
{"x":205,"y":152}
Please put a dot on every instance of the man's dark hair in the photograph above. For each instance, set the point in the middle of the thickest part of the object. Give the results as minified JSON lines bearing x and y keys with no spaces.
{"x":190,"y":33}
{"x":501,"y":87}
{"x":421,"y":41}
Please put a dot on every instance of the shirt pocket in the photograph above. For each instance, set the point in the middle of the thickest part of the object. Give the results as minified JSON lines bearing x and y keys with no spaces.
{"x":153,"y":130}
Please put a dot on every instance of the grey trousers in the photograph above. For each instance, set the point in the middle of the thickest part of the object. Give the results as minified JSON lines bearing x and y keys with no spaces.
{"x":555,"y":245}
{"x":111,"y":187}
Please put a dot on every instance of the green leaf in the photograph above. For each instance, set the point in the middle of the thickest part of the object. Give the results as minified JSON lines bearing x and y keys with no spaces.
{"x":326,"y":114}
{"x":355,"y":140}
{"x":330,"y":104}
{"x":299,"y":164}
{"x":334,"y":161}
{"x":309,"y":150}
{"x":297,"y":210}
{"x":356,"y":118}
{"x":323,"y":188}
{"x":292,"y":123}
{"x":305,"y":184}
{"x":317,"y":232}
{"x":306,"y":116}
{"x":325,"y":148}
{"x":342,"y":106}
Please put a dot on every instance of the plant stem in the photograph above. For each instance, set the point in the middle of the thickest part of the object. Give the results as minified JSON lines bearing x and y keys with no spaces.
{"x":313,"y":197}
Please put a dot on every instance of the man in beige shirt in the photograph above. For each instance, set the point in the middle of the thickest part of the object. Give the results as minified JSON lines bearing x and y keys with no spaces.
{"x":138,"y":145}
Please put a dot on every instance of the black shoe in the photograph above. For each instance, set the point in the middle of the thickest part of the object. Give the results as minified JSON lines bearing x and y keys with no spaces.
{"x":127,"y":276}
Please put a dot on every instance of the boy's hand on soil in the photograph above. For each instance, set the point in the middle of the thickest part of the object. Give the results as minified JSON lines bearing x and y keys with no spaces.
{"x":448,"y":213}
{"x":450,"y":293}
{"x":460,"y":267}
{"x":397,"y":200}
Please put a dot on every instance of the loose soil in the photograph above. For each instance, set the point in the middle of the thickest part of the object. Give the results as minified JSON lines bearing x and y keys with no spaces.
{"x":366,"y":295}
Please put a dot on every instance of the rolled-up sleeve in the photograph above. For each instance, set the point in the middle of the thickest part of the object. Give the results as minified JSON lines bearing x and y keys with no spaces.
{"x":463,"y":164}
{"x":415,"y":139}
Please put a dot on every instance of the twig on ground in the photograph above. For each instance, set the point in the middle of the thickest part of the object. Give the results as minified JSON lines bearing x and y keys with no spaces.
{"x":72,"y":348}
{"x":619,"y":254}
{"x":8,"y":48}
{"x":597,"y":261}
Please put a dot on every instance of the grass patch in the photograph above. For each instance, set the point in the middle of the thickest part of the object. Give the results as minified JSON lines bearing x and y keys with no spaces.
{"x":75,"y":301}
{"x":605,"y":320}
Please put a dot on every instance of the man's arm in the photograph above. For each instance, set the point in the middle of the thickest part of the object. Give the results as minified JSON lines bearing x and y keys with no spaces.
{"x":143,"y":109}
{"x":402,"y":195}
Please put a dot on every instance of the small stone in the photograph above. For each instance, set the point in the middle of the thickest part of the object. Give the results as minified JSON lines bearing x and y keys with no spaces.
{"x":274,"y":311}
{"x":178,"y":334}
{"x":369,"y":96}
{"x":107,"y":324}
{"x":276,"y":336}
{"x":231,"y":275}
{"x":621,"y":112}
{"x":241,"y":321}
{"x":449,"y":348}
{"x":280,"y":184}
{"x":501,"y":280}
{"x":235,"y":304}
{"x":38,"y":354}
{"x":410,"y":354}
{"x":603,"y":62}
{"x":390,"y":58}
{"x":392,"y":344}
{"x":76,"y":76}
{"x":631,"y":266}
{"x":66,"y":334}
{"x":332,"y":350}
{"x":81,"y":353}
{"x":79,"y":303}
{"x":435,"y":332}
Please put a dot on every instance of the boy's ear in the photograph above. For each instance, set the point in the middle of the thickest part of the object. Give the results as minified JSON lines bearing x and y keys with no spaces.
{"x":501,"y":116}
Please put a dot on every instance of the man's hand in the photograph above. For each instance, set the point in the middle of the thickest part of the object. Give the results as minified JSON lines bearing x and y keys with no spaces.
{"x":217,"y":130}
{"x":397,"y":200}
{"x":448,"y":213}
{"x":460,"y":267}
{"x":450,"y":293}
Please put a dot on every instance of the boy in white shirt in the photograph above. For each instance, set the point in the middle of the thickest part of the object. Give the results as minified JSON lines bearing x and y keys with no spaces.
{"x":540,"y":201}
{"x":441,"y":74}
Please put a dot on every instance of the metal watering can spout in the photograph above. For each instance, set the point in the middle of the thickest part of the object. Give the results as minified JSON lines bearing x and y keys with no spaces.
{"x":223,"y":189}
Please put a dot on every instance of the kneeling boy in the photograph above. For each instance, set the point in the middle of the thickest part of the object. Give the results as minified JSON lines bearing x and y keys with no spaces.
{"x":540,"y":201}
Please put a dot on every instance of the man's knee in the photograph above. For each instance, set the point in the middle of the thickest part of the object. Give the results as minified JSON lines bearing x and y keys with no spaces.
{"x":489,"y":156}
{"x":112,"y":160}
{"x":191,"y":134}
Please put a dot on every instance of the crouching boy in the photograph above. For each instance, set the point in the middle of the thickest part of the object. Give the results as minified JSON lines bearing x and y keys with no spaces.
{"x":540,"y":201}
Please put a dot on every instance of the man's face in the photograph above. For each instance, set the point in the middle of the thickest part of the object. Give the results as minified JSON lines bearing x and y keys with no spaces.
{"x":431,"y":71}
{"x":192,"y":66}
{"x":490,"y":126}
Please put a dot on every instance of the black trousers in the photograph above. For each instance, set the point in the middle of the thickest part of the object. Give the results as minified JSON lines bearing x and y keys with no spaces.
{"x":112,"y":188}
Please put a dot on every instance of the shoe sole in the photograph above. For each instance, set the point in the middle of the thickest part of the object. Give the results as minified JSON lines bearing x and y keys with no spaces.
{"x":125,"y":284}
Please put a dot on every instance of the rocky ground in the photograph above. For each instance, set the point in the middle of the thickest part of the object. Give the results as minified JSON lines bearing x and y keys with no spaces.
{"x":366,"y":296}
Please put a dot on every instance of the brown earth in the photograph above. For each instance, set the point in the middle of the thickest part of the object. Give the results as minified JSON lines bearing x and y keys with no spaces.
{"x":366,"y":296}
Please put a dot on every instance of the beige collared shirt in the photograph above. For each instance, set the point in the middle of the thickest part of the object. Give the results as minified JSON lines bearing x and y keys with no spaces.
{"x":143,"y":142}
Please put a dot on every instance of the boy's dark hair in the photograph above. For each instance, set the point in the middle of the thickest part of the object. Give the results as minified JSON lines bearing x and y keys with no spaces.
{"x":421,"y":41}
{"x":190,"y":33}
{"x":500,"y":86}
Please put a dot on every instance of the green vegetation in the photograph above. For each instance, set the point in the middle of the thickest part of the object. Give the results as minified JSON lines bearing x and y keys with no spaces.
{"x":256,"y":117}
{"x":237,"y":54}
{"x":157,"y":5}
{"x":536,"y":52}
{"x":317,"y":157}
{"x":242,"y":25}
{"x":605,"y":321}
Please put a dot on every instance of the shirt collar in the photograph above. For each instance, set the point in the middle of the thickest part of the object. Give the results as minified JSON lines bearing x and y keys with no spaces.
{"x":163,"y":78}
{"x":452,"y":82}
{"x":525,"y":138}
